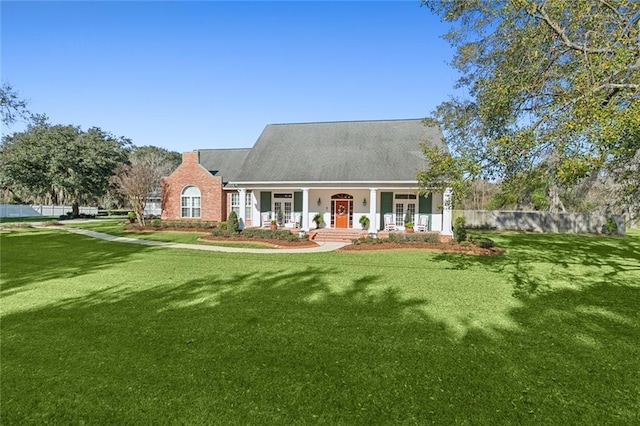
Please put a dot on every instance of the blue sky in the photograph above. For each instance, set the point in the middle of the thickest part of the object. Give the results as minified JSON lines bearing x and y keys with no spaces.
{"x":189,"y":75}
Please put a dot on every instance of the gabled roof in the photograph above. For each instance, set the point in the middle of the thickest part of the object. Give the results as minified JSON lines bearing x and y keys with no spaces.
{"x":349,"y":151}
{"x":223,"y":162}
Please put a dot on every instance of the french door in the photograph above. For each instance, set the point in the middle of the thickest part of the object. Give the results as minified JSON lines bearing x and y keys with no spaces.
{"x":283,"y":207}
{"x":405,"y":205}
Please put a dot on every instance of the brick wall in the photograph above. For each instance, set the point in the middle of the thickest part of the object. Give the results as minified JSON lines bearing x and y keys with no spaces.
{"x":190,"y":172}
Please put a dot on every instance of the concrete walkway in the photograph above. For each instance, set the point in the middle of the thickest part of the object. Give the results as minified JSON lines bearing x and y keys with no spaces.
{"x":322,"y":247}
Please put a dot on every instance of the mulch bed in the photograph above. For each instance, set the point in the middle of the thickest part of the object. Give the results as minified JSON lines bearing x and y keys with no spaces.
{"x":449,"y":247}
{"x":272,"y":243}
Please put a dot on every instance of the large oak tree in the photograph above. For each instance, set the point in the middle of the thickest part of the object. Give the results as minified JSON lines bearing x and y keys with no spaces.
{"x":553,"y":89}
{"x":60,"y":163}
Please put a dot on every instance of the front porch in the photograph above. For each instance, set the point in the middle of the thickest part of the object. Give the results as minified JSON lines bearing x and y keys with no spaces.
{"x":346,"y":208}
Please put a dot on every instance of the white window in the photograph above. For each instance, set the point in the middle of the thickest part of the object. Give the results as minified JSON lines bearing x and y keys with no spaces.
{"x":190,"y":202}
{"x":247,"y":206}
{"x":235,"y":203}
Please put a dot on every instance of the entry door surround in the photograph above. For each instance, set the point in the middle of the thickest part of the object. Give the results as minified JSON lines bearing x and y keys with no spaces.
{"x":341,"y":210}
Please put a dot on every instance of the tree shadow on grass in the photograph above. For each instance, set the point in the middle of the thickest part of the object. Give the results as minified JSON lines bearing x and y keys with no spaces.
{"x":294,"y":347}
{"x":51,"y":254}
{"x":579,"y":259}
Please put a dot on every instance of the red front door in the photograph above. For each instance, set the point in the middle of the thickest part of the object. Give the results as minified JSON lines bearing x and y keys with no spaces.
{"x":342,"y":214}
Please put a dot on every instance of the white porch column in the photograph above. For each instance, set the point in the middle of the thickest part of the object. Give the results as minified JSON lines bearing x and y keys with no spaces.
{"x":373,"y":216}
{"x":255,"y":209}
{"x":305,"y":209}
{"x":446,"y":212}
{"x":242,"y":210}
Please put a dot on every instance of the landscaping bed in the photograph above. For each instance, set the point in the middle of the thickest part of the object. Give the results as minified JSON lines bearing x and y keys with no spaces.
{"x":431,"y":242}
{"x":275,"y":243}
{"x":275,"y":239}
{"x":449,"y":247}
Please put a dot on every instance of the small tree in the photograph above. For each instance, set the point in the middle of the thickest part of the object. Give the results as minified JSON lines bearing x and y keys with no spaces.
{"x":318,"y":219}
{"x":233,"y":225}
{"x":135,"y":181}
{"x":408,"y":218}
{"x":364,"y":221}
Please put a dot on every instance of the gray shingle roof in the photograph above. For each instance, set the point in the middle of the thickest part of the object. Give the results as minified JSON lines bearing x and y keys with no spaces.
{"x":223,"y":162}
{"x":385,"y":150}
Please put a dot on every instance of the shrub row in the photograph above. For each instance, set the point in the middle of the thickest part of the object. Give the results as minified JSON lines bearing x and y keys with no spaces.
{"x":421,"y":238}
{"x":70,"y":215}
{"x":369,"y":240}
{"x":399,"y":238}
{"x":201,"y":224}
{"x":113,"y":212}
{"x":414,"y":238}
{"x":259,"y":234}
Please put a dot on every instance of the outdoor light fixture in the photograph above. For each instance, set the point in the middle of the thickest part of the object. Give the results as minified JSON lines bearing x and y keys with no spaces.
{"x":364,"y":202}
{"x":319,"y":201}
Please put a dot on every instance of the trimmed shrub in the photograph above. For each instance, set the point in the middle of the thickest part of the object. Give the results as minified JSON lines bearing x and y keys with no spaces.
{"x":368,"y":240}
{"x":156,"y":223}
{"x":610,"y":227}
{"x":232,"y":222}
{"x":485,"y":243}
{"x":221,"y":232}
{"x":459,"y":230}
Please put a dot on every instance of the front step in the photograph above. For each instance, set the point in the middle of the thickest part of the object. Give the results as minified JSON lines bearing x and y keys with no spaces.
{"x":336,"y":235}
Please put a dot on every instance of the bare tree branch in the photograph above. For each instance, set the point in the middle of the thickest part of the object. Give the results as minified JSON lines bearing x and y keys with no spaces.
{"x":562,"y":33}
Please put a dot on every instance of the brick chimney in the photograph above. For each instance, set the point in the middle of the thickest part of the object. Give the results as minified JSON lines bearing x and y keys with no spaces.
{"x":190,"y":157}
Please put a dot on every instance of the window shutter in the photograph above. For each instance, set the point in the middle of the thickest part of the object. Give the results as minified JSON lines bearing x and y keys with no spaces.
{"x":265,"y":201}
{"x":425,"y":203}
{"x":297,"y":201}
{"x":386,"y":206}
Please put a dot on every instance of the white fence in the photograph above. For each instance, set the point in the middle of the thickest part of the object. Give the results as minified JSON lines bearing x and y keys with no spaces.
{"x":24,"y":210}
{"x":153,"y":208}
{"x":539,"y":221}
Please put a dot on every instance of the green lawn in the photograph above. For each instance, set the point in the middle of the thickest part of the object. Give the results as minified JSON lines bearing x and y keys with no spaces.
{"x":117,"y":227}
{"x":99,"y":332}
